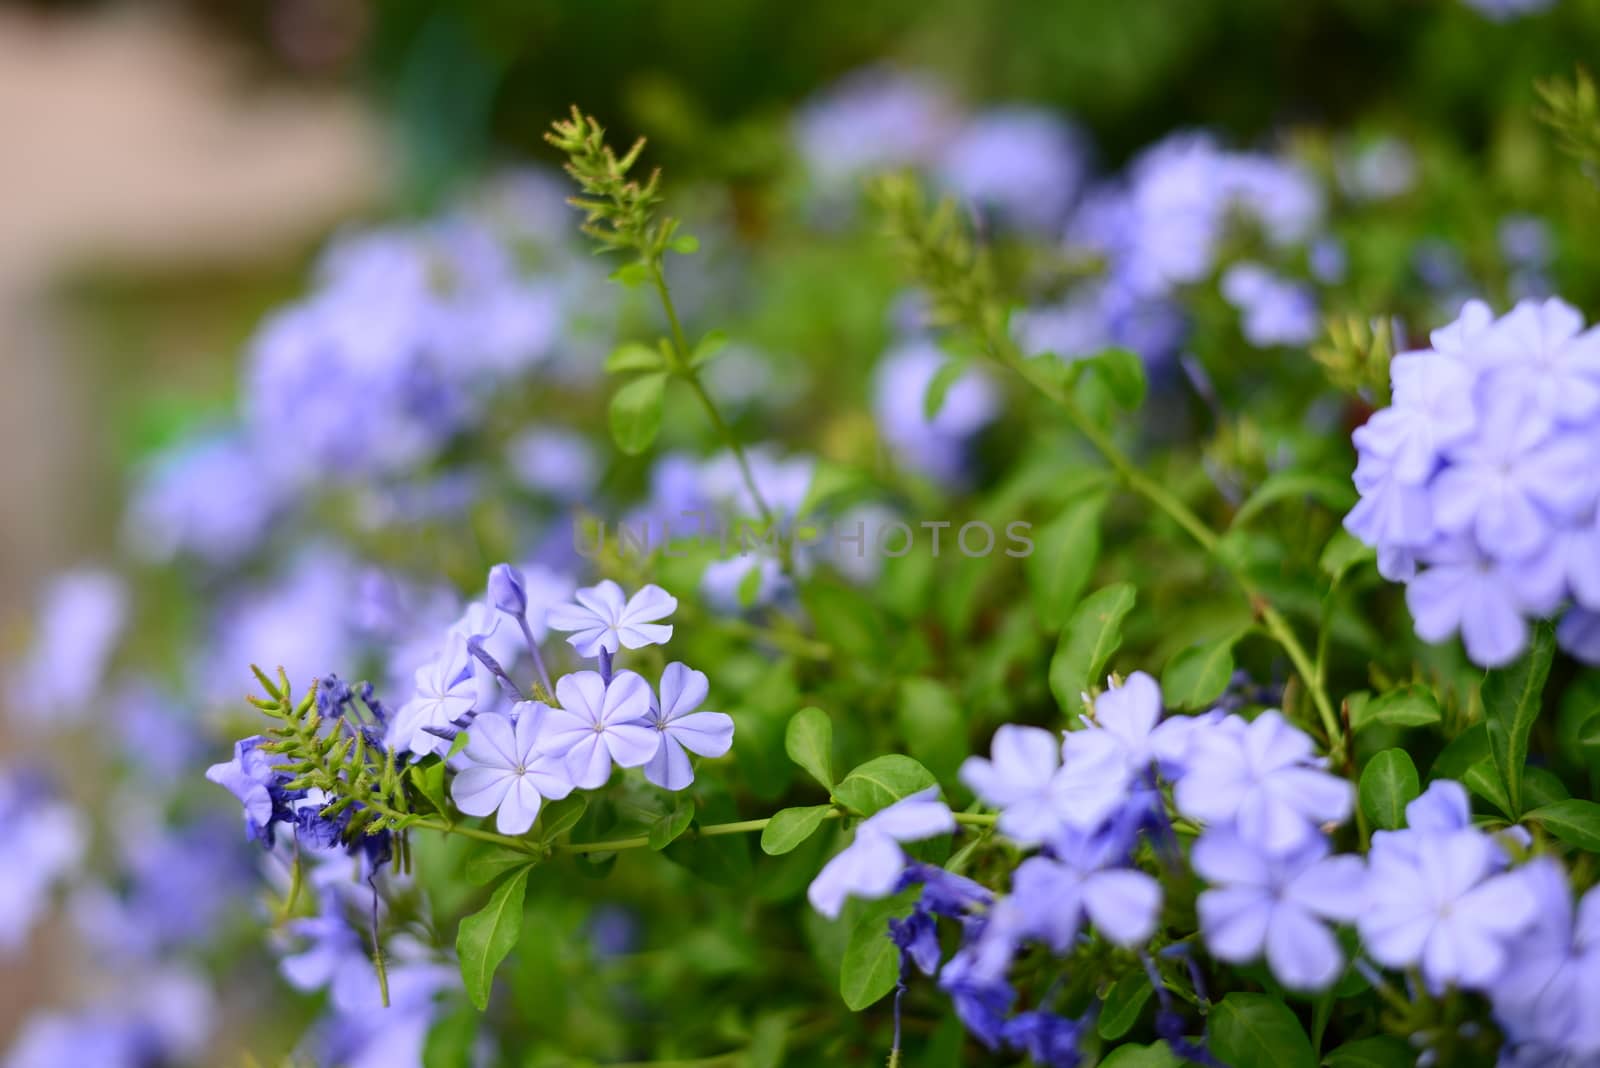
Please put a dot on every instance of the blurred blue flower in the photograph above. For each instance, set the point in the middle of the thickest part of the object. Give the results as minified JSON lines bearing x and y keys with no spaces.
{"x":1262,"y":779}
{"x":1276,"y":905}
{"x":870,"y":867}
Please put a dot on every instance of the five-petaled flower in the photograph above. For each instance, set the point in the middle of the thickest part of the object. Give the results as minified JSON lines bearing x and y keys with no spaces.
{"x":508,"y":772}
{"x":674,"y":718}
{"x":599,"y":723}
{"x":603,"y":618}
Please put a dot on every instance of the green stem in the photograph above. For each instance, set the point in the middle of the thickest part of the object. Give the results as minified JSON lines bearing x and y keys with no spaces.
{"x":685,"y":370}
{"x":740,"y":827}
{"x":1136,"y":479}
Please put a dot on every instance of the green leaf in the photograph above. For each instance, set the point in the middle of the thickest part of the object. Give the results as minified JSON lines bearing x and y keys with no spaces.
{"x":1063,"y":557}
{"x":1155,"y":1055}
{"x":1197,"y":675}
{"x":871,"y":964}
{"x":1336,"y":493}
{"x":636,"y":412}
{"x":635,"y":273}
{"x":484,"y":938}
{"x":1574,"y":821}
{"x":1510,"y":705}
{"x":1123,"y":1003}
{"x":1379,"y":1051}
{"x":1409,"y":706}
{"x":790,"y":827}
{"x":685,"y":244}
{"x":1343,"y":552}
{"x":881,"y":782}
{"x":669,"y":826}
{"x":1258,"y":1031}
{"x":1122,"y":373}
{"x":933,"y":725}
{"x":948,"y":374}
{"x":1092,"y":635}
{"x":809,"y":743}
{"x":1388,"y":784}
{"x":457,"y":744}
{"x":706,"y":349}
{"x":492,"y":861}
{"x":634,"y":356}
{"x":557,"y":817}
{"x":429,"y":781}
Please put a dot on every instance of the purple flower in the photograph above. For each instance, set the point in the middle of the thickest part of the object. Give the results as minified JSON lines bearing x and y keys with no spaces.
{"x":1262,"y":779}
{"x":1026,"y":163}
{"x":598,"y":724}
{"x":981,"y":1001}
{"x":1039,"y":797}
{"x":507,"y":771}
{"x":1545,"y":995}
{"x":873,"y":120}
{"x":1443,"y":908}
{"x":1131,"y":714}
{"x":46,"y":839}
{"x":81,"y":616}
{"x":1050,"y":1040}
{"x":507,"y":591}
{"x":1513,"y":479}
{"x":211,"y":497}
{"x":1579,"y":634}
{"x":1275,"y":905}
{"x":604,"y":618}
{"x":936,"y":446}
{"x":871,"y":866}
{"x":710,"y":734}
{"x":1462,"y":589}
{"x":445,"y":694}
{"x":1275,"y":311}
{"x":1051,"y":897}
{"x":252,"y":778}
{"x":1483,"y":468}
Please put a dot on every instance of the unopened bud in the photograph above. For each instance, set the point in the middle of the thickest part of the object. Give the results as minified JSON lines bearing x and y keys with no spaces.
{"x":506,"y":590}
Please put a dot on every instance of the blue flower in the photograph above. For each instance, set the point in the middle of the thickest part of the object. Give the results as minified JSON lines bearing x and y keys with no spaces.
{"x":871,"y":866}
{"x":1044,"y":785}
{"x":1047,"y":1038}
{"x":446,"y":693}
{"x":1480,"y":471}
{"x":1024,"y":163}
{"x":1262,"y":779}
{"x":1262,"y":904}
{"x":507,"y":770}
{"x":604,"y":619}
{"x":46,"y":839}
{"x":1052,"y":895}
{"x":981,"y":1001}
{"x":680,"y":727}
{"x":599,"y":723}
{"x":252,"y":778}
{"x":1276,"y":312}
{"x":1545,"y":995}
{"x":1442,"y":907}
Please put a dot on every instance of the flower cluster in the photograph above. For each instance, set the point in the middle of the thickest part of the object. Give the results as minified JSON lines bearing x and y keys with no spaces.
{"x":1478,"y":485}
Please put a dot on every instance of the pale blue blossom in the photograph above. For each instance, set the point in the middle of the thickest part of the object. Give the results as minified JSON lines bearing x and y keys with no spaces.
{"x":606,"y":619}
{"x":1444,"y":908}
{"x":506,"y":770}
{"x":79,"y":621}
{"x":1262,"y":780}
{"x":599,"y":723}
{"x":1546,"y":994}
{"x":674,"y":717}
{"x":873,"y":120}
{"x":870,"y":867}
{"x":1025,"y":163}
{"x":1277,"y":906}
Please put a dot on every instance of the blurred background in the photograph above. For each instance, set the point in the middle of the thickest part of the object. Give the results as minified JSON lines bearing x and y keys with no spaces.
{"x":168,"y":170}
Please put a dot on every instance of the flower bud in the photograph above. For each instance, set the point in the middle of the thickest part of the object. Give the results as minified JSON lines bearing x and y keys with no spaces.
{"x":506,"y":590}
